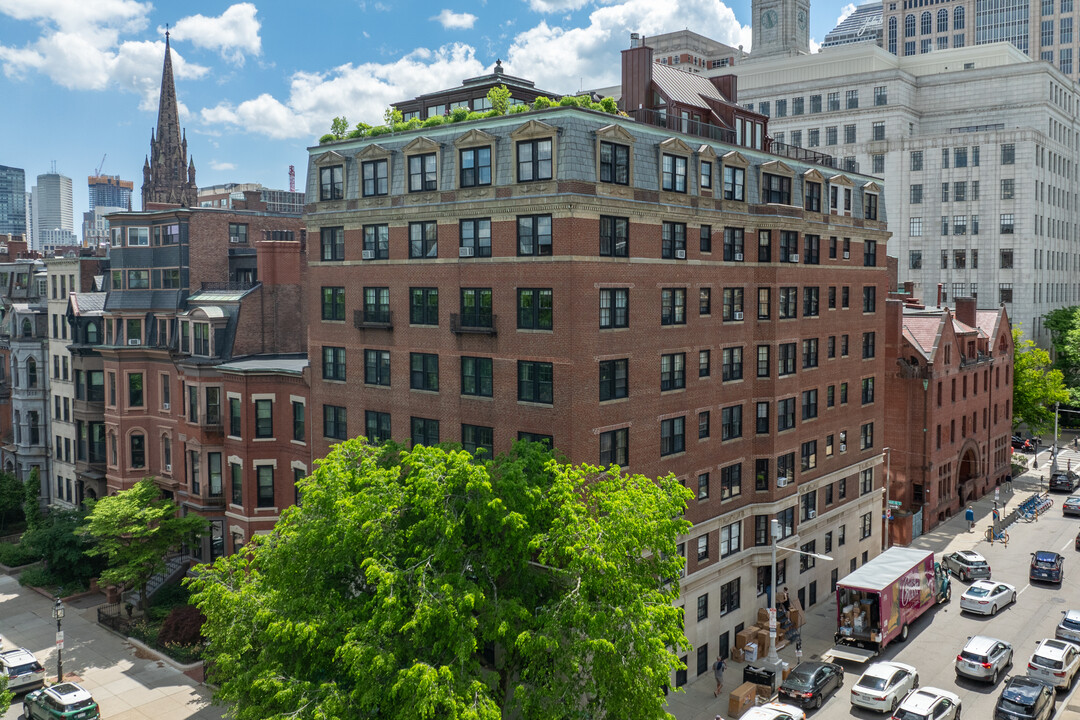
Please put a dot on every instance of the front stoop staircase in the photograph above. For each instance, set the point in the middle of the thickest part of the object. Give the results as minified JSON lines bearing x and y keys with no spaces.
{"x":176,"y":567}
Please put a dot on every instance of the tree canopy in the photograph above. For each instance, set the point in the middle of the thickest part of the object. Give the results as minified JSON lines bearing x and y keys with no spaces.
{"x":1036,"y":385}
{"x":6,"y":696}
{"x":428,"y":584}
{"x":1064,"y":327}
{"x":134,"y":529}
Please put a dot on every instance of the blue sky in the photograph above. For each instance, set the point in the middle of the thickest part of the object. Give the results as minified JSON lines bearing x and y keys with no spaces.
{"x":259,"y":81}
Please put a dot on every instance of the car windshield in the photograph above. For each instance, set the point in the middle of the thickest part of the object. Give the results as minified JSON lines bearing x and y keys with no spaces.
{"x":977,"y":591}
{"x":1046,"y":564}
{"x":1016,"y":706}
{"x":88,"y":702}
{"x":1049,"y":663}
{"x":903,"y":714}
{"x":873,"y":683}
{"x":1070,"y":624}
{"x":973,"y":657}
{"x":24,"y":669}
{"x":977,"y":563}
{"x":800,"y":679}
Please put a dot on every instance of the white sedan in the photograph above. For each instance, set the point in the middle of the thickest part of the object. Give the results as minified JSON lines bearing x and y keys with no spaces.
{"x":884,"y":685}
{"x":986,"y":597}
{"x":774,"y":711}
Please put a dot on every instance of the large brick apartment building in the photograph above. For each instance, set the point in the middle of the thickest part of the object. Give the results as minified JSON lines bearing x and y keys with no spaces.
{"x":670,"y":300}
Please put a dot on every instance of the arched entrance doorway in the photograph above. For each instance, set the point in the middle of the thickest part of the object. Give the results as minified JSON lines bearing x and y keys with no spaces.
{"x":967,"y":474}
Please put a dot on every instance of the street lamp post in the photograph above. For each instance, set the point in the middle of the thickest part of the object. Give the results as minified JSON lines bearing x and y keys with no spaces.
{"x":1054,"y":450}
{"x":58,"y":613}
{"x":774,"y":529}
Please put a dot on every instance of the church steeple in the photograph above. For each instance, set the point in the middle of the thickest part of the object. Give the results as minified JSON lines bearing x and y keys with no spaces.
{"x":169,"y":179}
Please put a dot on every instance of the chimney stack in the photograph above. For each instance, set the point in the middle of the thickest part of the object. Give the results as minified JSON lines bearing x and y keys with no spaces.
{"x":939,"y":287}
{"x":965,"y":310}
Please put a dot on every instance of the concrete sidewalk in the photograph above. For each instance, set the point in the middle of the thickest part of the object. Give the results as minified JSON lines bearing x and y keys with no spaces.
{"x":696,"y":702}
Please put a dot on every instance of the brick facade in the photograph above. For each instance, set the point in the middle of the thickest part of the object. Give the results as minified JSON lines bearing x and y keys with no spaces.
{"x":948,"y":409}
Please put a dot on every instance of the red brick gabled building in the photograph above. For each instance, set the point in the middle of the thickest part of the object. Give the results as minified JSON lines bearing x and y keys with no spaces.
{"x":948,"y":409}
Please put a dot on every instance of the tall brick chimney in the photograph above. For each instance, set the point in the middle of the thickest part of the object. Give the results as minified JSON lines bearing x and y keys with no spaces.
{"x":965,"y":310}
{"x":637,"y":65}
{"x":281,"y":266}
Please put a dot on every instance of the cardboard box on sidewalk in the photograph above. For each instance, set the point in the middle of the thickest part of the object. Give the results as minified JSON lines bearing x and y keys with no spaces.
{"x":744,"y":636}
{"x":741,"y":699}
{"x":763,"y":617}
{"x":738,"y":655}
{"x":764,"y":691}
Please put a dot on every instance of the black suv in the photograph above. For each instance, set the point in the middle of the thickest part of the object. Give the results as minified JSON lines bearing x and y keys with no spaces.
{"x":1025,"y":698}
{"x":1066,"y":481}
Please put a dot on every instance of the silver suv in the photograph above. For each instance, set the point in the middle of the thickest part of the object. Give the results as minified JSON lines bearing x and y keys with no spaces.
{"x":1055,"y":662}
{"x":21,"y":669}
{"x":966,"y":565}
{"x":983,"y":658}
{"x":1069,"y":627}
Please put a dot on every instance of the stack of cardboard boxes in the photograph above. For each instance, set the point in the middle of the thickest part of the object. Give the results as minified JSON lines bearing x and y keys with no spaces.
{"x":753,"y":642}
{"x":853,"y":619}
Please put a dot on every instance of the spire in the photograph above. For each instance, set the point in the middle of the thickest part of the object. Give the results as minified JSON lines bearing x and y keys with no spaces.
{"x":168,"y":128}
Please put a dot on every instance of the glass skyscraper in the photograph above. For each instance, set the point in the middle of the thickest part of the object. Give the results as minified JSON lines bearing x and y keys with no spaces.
{"x":12,"y":201}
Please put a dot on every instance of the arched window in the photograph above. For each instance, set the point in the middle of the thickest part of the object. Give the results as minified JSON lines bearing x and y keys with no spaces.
{"x":93,"y":334}
{"x":909,"y":26}
{"x":926,"y":23}
{"x":892,"y":35}
{"x":27,"y":328}
{"x":31,"y":373}
{"x":958,"y":18}
{"x":943,"y":20}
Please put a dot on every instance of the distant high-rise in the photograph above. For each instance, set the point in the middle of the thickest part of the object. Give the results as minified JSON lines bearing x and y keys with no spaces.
{"x":109,"y":191}
{"x":54,"y":216}
{"x":863,"y":25}
{"x":12,"y":201}
{"x":168,"y":175}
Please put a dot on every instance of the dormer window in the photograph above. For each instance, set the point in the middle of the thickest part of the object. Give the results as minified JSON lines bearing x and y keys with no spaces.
{"x":331,"y":182}
{"x":134,"y":331}
{"x":138,"y":237}
{"x":534,"y":160}
{"x":376,"y":177}
{"x":423,"y":172}
{"x":674,"y":177}
{"x":200,"y":339}
{"x":93,"y":333}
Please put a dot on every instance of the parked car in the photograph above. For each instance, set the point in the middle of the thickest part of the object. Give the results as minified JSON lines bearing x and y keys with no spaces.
{"x":1069,"y":627}
{"x":66,"y":701}
{"x":1046,"y":566}
{"x":984,"y":658}
{"x":1067,"y":481}
{"x":774,"y":711}
{"x":810,"y":682}
{"x":1023,"y":698}
{"x":22,"y":670}
{"x":987,"y":596}
{"x":1055,"y":663}
{"x":884,"y":685}
{"x":1071,"y":506}
{"x":966,"y":565}
{"x":929,"y":703}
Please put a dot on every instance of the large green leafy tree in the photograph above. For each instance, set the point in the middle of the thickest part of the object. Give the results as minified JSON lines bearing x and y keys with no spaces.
{"x":436,"y":586}
{"x":134,"y":530}
{"x":1064,"y":327}
{"x":1036,"y":386}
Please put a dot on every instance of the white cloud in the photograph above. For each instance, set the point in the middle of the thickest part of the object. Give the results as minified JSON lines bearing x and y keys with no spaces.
{"x":455,"y":21}
{"x":559,"y":59}
{"x":215,"y":165}
{"x":234,"y":33}
{"x":562,"y":59}
{"x":359,"y":92}
{"x":815,"y":46}
{"x":555,"y":6}
{"x":80,"y":48}
{"x":845,"y":12}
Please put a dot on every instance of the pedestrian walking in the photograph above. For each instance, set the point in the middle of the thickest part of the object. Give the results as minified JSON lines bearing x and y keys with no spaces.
{"x":969,"y":515}
{"x":718,"y":672}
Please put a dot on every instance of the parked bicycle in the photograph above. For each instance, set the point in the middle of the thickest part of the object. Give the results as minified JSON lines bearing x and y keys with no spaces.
{"x":1002,"y":536}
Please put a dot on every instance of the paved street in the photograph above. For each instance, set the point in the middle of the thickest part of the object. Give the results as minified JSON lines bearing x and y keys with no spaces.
{"x":128,"y":687}
{"x":938,"y":636}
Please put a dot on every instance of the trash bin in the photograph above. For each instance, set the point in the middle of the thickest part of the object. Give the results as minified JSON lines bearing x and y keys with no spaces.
{"x":759,"y":676}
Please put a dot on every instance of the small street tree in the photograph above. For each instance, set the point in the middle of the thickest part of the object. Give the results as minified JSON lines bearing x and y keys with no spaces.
{"x":32,"y":500}
{"x":434,"y":585}
{"x":134,"y":530}
{"x":12,"y":496}
{"x":1036,"y":386}
{"x":6,"y":696}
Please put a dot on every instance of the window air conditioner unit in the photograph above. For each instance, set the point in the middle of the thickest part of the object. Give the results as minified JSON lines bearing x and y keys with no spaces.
{"x":794,"y":258}
{"x":134,"y":341}
{"x":234,"y":238}
{"x":680,"y":254}
{"x":843,"y":447}
{"x":168,"y":468}
{"x":811,"y":514}
{"x":738,"y":257}
{"x":738,"y":316}
{"x":164,"y":406}
{"x":465,"y":252}
{"x":368,"y":254}
{"x":847,"y":254}
{"x":781,"y":481}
